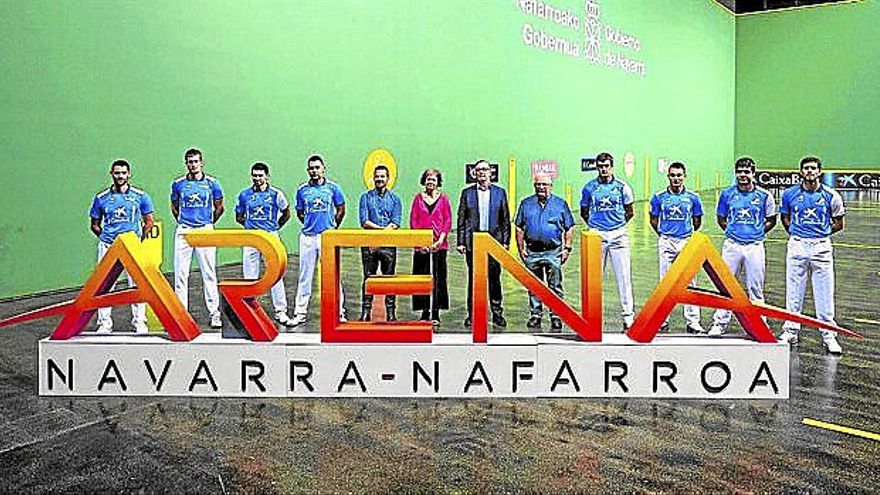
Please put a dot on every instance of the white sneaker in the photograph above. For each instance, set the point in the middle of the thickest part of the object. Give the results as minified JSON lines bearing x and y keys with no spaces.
{"x":105,"y":327}
{"x":696,"y":328}
{"x":716,"y":331}
{"x":789,"y":337}
{"x":831,"y":345}
{"x":141,"y":328}
{"x":282,"y":318}
{"x":216,"y":321}
{"x":342,"y":319}
{"x":298,"y":320}
{"x":627,"y":322}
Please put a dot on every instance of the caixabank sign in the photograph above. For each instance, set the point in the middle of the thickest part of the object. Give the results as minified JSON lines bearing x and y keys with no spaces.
{"x":844,"y":180}
{"x":407,"y":359}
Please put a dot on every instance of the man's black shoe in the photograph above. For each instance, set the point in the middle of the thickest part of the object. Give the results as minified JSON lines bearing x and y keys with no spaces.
{"x":390,"y":314}
{"x":366,"y":315}
{"x":467,"y":321}
{"x":556,"y":325}
{"x":534,"y":322}
{"x":498,"y":320}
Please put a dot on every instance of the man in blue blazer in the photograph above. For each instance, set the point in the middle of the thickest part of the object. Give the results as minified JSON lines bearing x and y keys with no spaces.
{"x":483,"y":208}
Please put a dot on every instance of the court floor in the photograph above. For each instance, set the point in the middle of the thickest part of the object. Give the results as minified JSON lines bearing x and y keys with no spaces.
{"x":331,"y":445}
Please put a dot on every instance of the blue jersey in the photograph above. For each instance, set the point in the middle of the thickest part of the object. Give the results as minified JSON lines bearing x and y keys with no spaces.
{"x":811,"y":211}
{"x":380,"y":210}
{"x":261,"y":209}
{"x":544,"y":224}
{"x":120,"y":212}
{"x":606,"y":201}
{"x":745,"y":213}
{"x":318,"y":203}
{"x":195,"y":199}
{"x":675,"y":212}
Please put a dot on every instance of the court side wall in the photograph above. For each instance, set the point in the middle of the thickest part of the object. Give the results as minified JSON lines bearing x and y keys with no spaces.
{"x":806,"y":83}
{"x":438,"y":83}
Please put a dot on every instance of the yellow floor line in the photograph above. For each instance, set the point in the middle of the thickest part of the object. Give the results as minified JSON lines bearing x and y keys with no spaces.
{"x":863,"y":320}
{"x":841,"y":429}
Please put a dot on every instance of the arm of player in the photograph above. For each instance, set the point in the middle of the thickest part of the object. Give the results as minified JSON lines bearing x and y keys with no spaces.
{"x":585,"y":214}
{"x":722,"y":222}
{"x":655,"y":223}
{"x":284,"y":218}
{"x":769,"y":223}
{"x":697,"y":221}
{"x":148,"y":225}
{"x":340,"y":214}
{"x":175,"y":209}
{"x":786,"y":221}
{"x":837,"y":224}
{"x":218,"y":209}
{"x":96,"y":227}
{"x":628,"y":212}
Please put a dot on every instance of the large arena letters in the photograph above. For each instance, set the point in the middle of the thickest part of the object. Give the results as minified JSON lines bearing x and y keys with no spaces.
{"x":152,"y":288}
{"x":406,"y":358}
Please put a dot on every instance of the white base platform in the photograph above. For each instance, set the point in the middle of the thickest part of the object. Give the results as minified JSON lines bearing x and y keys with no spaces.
{"x":510,"y":365}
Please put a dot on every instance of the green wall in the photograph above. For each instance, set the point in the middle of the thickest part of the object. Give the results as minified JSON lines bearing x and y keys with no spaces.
{"x":806,"y":83}
{"x":439,"y":83}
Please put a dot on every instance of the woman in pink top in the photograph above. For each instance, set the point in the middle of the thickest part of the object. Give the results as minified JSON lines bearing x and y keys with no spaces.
{"x":431,"y":210}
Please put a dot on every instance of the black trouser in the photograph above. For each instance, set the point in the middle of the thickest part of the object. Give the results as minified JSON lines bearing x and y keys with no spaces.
{"x":373,"y":259}
{"x":494,"y":275}
{"x":422,"y":265}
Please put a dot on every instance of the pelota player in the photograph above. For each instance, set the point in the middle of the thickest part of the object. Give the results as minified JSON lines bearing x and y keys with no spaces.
{"x":264,"y":207}
{"x":676,"y":214}
{"x":606,"y":206}
{"x":811,"y":213}
{"x":196,"y":203}
{"x":119,"y":209}
{"x":320,"y":206}
{"x":746,"y":213}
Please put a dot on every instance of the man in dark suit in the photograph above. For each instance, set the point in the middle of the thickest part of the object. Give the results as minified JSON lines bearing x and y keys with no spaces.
{"x":483,"y":208}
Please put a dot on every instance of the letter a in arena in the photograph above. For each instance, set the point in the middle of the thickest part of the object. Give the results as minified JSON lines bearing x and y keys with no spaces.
{"x":126,"y":253}
{"x":332,"y":330}
{"x":673,"y":289}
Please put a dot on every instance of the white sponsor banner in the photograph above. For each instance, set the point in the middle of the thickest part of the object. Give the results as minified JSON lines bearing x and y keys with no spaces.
{"x":510,"y":365}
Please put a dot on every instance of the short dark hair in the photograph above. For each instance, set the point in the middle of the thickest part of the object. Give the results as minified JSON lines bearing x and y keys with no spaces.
{"x":432,"y":171}
{"x":744,"y":162}
{"x":604,"y":157}
{"x":192,"y":152}
{"x":120,"y":163}
{"x":482,"y":160}
{"x":814,"y":159}
{"x":381,"y":166}
{"x":315,"y":158}
{"x":678,"y":165}
{"x":260,"y":166}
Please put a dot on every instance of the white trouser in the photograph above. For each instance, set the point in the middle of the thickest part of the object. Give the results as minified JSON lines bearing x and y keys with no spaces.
{"x":667,"y":250}
{"x":814,"y":256}
{"x":615,"y":244}
{"x":250,"y":264}
{"x":751,"y":258}
{"x":138,"y":310}
{"x":207,"y":258}
{"x":309,"y":254}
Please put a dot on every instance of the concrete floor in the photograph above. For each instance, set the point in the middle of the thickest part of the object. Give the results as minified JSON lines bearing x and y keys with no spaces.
{"x":334,"y":445}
